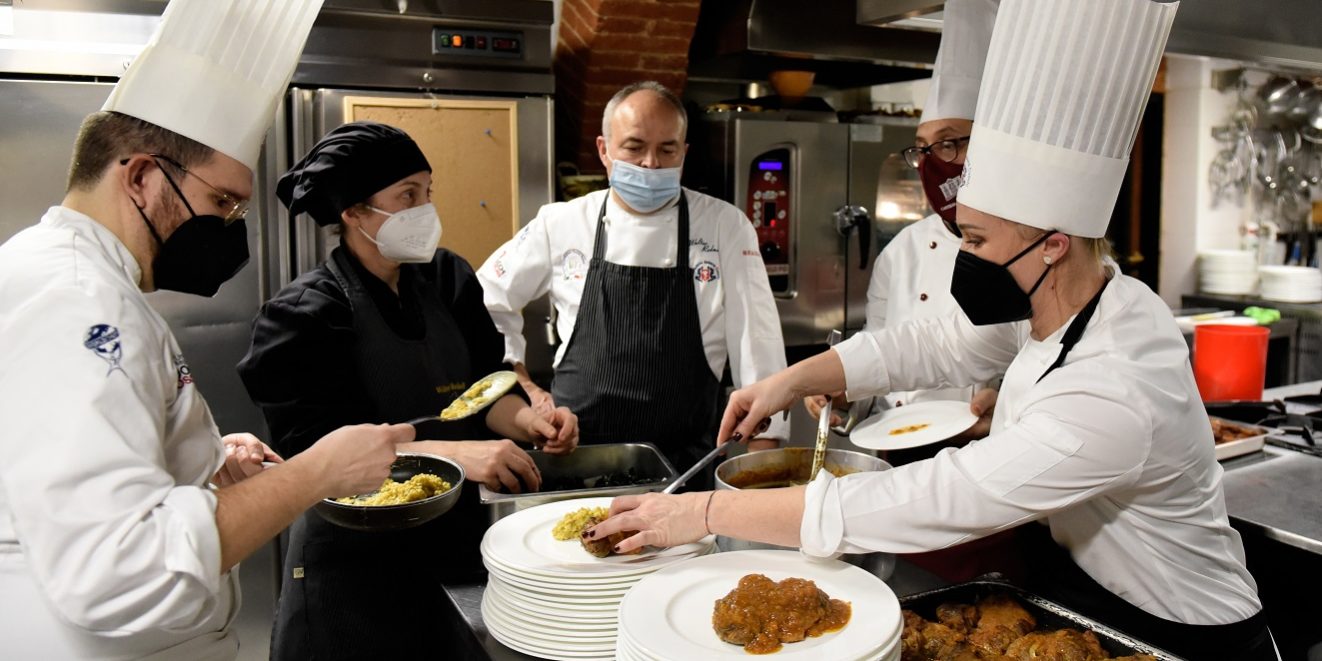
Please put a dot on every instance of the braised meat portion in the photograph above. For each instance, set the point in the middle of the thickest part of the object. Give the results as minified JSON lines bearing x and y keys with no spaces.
{"x":997,"y":628}
{"x":1059,"y":645}
{"x":605,"y":546}
{"x":761,"y":614}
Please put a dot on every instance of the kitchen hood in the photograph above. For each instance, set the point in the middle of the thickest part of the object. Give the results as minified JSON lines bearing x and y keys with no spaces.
{"x":1276,"y":34}
{"x":745,"y":40}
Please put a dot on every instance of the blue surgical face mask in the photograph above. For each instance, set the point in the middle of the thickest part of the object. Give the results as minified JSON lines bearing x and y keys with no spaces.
{"x":644,"y":189}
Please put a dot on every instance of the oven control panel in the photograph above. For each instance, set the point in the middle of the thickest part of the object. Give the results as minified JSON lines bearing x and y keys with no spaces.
{"x":480,"y":43}
{"x":768,"y":207}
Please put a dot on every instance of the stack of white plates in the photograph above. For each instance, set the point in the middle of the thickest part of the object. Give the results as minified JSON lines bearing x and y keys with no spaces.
{"x":553,"y":599}
{"x":1291,"y":284}
{"x":1233,"y":272}
{"x":668,"y":615}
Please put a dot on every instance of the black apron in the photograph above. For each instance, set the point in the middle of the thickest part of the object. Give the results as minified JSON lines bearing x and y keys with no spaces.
{"x":347,"y":594}
{"x":635,"y":369}
{"x":1055,"y":575}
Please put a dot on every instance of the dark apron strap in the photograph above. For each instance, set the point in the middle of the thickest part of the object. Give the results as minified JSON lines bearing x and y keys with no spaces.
{"x":1075,"y":331}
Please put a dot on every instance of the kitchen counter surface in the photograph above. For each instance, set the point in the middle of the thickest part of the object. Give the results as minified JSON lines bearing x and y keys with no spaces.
{"x":1278,"y":492}
{"x":465,"y":600}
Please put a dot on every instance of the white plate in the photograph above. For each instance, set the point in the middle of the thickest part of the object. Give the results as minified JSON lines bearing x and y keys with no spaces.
{"x":944,"y":419}
{"x":523,"y":540}
{"x":572,"y":626}
{"x":497,"y":622}
{"x":668,"y":614}
{"x":563,"y":580}
{"x":551,"y":633}
{"x":575,"y":591}
{"x":479,"y":395}
{"x":551,"y":610}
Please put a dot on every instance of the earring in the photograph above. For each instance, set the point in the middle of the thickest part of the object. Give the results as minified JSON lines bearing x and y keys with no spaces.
{"x":1047,"y":259}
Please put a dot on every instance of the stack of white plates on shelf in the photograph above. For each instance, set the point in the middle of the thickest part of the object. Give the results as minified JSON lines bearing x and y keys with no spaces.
{"x":553,"y":599}
{"x":668,"y":615}
{"x":1291,"y":284}
{"x":1233,"y":272}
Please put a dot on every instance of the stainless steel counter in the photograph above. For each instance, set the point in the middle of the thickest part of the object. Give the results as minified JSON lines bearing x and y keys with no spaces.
{"x":1278,"y":492}
{"x":475,"y":642}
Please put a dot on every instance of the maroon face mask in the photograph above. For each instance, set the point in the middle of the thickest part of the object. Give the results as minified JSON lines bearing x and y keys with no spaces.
{"x":940,"y":183}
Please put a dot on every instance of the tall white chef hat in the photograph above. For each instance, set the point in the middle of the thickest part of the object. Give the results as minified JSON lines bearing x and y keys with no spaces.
{"x":1064,"y":89}
{"x":966,"y":32}
{"x":215,"y":70}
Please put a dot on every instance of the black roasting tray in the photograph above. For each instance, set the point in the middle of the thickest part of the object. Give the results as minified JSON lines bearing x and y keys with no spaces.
{"x":1049,"y":614}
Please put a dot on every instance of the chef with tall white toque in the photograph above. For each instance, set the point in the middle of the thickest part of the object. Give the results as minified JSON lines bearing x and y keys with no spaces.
{"x":123,"y":511}
{"x":655,"y":287}
{"x":1098,"y":432}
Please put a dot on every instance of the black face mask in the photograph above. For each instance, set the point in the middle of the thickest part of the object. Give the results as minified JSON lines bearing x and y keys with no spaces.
{"x":201,"y":254}
{"x":987,"y":292}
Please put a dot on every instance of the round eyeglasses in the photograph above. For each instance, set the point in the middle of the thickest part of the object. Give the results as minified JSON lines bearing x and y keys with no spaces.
{"x":946,"y":150}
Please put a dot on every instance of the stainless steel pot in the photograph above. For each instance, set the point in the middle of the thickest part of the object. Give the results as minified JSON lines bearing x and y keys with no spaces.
{"x":773,"y":467}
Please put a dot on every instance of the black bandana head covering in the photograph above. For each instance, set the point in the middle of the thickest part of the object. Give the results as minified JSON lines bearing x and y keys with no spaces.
{"x":348,"y":165}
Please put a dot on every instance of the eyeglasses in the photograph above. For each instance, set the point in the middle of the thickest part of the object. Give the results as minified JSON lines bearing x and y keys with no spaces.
{"x":946,"y":150}
{"x":234,"y":208}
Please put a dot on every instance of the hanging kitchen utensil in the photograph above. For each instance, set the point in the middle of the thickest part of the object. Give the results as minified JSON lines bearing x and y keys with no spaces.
{"x":823,"y":421}
{"x":715,"y":452}
{"x":480,"y":395}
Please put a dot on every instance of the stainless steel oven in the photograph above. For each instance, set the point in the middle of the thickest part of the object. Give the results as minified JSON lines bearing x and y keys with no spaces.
{"x":812,"y":190}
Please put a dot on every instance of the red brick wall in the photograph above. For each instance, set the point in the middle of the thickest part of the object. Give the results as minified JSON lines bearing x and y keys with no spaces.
{"x":604,"y":45}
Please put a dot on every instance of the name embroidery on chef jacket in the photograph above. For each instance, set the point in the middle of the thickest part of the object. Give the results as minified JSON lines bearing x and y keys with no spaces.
{"x":706,"y":272}
{"x":182,"y":371}
{"x":103,"y":340}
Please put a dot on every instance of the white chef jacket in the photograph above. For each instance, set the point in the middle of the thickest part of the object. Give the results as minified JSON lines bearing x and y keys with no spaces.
{"x":735,"y":308}
{"x":910,"y":281}
{"x":108,"y":540}
{"x":1113,"y":449}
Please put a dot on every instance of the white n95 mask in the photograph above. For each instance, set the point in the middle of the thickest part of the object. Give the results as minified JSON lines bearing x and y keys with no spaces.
{"x":408,"y":236}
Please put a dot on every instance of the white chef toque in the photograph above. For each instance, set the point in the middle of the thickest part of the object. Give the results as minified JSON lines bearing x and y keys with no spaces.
{"x":1062,"y":94}
{"x":966,"y":32}
{"x":215,"y":70}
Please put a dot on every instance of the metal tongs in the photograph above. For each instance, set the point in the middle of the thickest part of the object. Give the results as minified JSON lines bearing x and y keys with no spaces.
{"x":823,"y":421}
{"x":715,"y":452}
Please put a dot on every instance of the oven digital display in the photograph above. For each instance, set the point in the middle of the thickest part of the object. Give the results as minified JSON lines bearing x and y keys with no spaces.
{"x":768,"y":207}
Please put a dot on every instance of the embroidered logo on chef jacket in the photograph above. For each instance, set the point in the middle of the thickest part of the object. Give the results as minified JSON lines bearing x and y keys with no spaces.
{"x":182,"y":371}
{"x":706,"y":272}
{"x":499,"y":265}
{"x":574,"y":265}
{"x":103,"y":340}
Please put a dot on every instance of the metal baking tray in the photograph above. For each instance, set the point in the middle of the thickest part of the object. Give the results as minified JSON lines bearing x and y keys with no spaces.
{"x":586,"y":466}
{"x":1242,"y":446}
{"x":1049,"y":614}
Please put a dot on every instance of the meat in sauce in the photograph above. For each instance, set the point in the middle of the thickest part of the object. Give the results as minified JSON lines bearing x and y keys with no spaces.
{"x":761,"y":614}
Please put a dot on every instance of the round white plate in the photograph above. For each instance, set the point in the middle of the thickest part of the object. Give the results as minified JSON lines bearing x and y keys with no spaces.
{"x":575,"y":591}
{"x":542,"y":633}
{"x":569,"y":626}
{"x":567,"y":599}
{"x":545,"y":653}
{"x":523,"y":540}
{"x":943,"y":419}
{"x":479,"y":395}
{"x":552,"y":610}
{"x":668,"y":614}
{"x":563,"y":580}
{"x":495,"y":621}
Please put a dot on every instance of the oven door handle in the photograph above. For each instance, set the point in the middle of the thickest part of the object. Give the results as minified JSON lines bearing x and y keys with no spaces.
{"x":850,"y":218}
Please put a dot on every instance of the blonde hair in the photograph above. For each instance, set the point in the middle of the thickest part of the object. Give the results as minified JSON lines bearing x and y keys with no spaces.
{"x":1099,"y":249}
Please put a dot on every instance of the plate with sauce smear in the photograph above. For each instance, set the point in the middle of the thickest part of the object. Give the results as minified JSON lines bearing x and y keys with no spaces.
{"x":913,"y":425}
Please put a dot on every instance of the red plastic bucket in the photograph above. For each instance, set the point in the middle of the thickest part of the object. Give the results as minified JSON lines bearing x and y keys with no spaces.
{"x":1230,"y":362}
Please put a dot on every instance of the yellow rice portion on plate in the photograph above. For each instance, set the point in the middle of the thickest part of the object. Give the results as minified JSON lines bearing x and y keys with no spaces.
{"x":574,"y":523}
